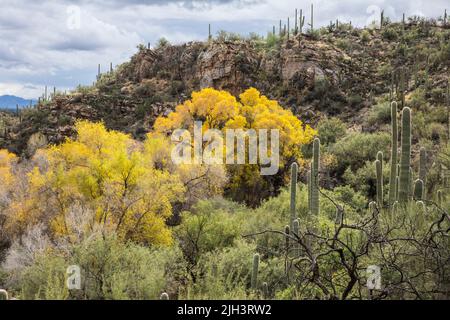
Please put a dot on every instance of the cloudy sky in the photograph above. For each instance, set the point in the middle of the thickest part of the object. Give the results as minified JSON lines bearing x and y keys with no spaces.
{"x":60,"y":43}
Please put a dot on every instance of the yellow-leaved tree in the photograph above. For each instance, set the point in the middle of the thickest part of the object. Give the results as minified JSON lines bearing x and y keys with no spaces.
{"x":220,"y":110}
{"x":108,"y":176}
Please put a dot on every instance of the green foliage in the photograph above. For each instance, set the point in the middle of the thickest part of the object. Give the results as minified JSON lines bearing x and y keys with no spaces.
{"x":110,"y":268}
{"x":211,"y":225}
{"x":356,"y":148}
{"x":380,"y":114}
{"x":364,"y":179}
{"x":162,"y":43}
{"x":331,"y":130}
{"x":365,"y":36}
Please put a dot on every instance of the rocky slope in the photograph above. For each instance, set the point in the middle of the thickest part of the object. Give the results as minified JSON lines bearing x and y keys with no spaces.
{"x":332,"y":72}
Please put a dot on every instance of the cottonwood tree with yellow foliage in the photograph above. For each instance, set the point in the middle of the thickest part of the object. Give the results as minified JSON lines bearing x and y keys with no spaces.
{"x":220,"y":110}
{"x":103,"y":172}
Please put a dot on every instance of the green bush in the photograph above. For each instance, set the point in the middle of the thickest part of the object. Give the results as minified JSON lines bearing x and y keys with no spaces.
{"x":380,"y":114}
{"x":330,"y":130}
{"x":364,"y":179}
{"x":356,"y":148}
{"x":110,"y":269}
{"x":212,"y":224}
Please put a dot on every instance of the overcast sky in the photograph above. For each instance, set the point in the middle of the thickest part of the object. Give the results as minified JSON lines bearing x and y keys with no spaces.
{"x":60,"y":43}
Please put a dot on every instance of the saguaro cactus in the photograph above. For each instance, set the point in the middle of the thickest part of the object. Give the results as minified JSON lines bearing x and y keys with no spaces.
{"x":312,"y":18}
{"x":254,"y":280}
{"x":421,"y":214}
{"x":294,"y":170}
{"x":296,"y":22}
{"x":308,"y":182}
{"x":3,"y":294}
{"x":301,"y":21}
{"x":164,"y":296}
{"x":394,"y":151}
{"x":296,"y":231}
{"x":287,"y":231}
{"x":379,"y":173}
{"x":265,"y":290}
{"x":315,"y":206}
{"x":418,"y":189}
{"x":423,"y":169}
{"x":405,"y":158}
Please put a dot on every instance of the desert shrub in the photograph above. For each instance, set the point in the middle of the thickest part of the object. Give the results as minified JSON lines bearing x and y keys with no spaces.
{"x":162,"y":43}
{"x":356,"y":148}
{"x":418,"y":99}
{"x":211,"y":225}
{"x":365,"y":36}
{"x":330,"y":130}
{"x":364,"y":179}
{"x":226,"y":273}
{"x":389,"y":34}
{"x":110,"y":269}
{"x":380,"y":114}
{"x":343,"y":44}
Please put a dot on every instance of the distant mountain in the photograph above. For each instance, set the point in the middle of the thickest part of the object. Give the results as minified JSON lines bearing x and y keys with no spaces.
{"x":10,"y":102}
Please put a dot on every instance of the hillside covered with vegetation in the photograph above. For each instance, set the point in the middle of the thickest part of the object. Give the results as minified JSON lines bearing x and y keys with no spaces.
{"x":87,"y":179}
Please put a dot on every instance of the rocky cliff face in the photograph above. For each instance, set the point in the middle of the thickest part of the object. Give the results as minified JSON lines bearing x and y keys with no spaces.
{"x":340,"y":73}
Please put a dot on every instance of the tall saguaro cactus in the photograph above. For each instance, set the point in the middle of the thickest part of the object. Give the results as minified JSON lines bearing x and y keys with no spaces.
{"x":296,"y":22}
{"x":312,"y":18}
{"x":294,"y":170}
{"x":394,"y":151}
{"x":405,"y":158}
{"x":296,"y":232}
{"x":254,"y":280}
{"x":315,"y":207}
{"x":423,"y":169}
{"x":301,"y":21}
{"x":379,"y":172}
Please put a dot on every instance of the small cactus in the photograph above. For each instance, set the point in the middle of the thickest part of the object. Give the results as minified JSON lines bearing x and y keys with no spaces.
{"x":422,"y":210}
{"x":439,"y":198}
{"x":265,"y":290}
{"x":315,"y":205}
{"x":164,"y":296}
{"x":293,"y":208}
{"x":394,"y":208}
{"x":379,"y":174}
{"x":287,"y":231}
{"x":418,"y":189}
{"x":254,"y":280}
{"x":3,"y":294}
{"x":423,"y":169}
{"x":296,"y":231}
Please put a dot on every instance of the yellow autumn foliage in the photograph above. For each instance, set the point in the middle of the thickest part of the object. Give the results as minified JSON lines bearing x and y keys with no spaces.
{"x":107,"y":173}
{"x":220,"y":110}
